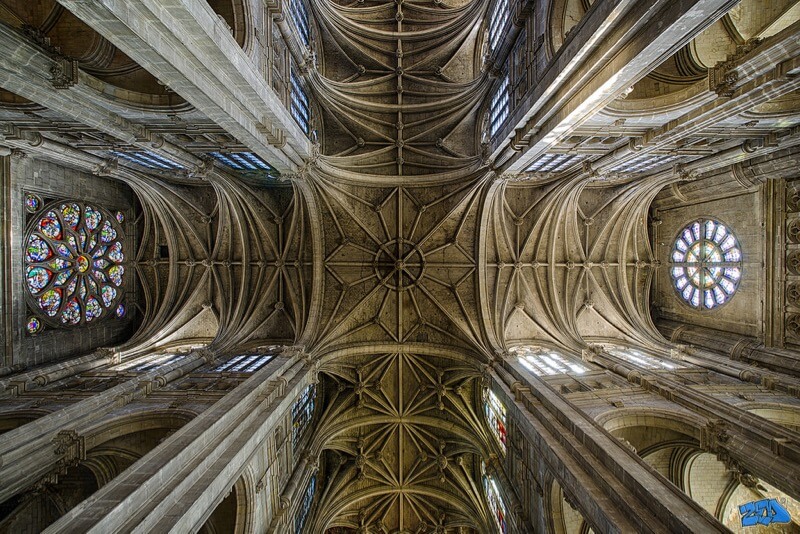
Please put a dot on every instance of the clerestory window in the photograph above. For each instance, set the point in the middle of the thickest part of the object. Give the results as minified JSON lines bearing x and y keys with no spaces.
{"x":548,"y":363}
{"x":244,"y":363}
{"x":301,"y":112}
{"x":643,"y":360}
{"x":497,"y":22}
{"x":299,"y":14}
{"x":303,"y":412}
{"x":496,"y":417}
{"x":499,"y":108}
{"x":305,"y":506}
{"x":706,"y":264}
{"x":496,"y":505}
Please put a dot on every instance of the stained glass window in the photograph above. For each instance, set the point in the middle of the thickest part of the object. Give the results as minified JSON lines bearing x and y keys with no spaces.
{"x":299,"y":13}
{"x":497,"y":22}
{"x":305,"y":506}
{"x":74,"y":263}
{"x":149,"y":160}
{"x":242,"y":161}
{"x":496,"y":505}
{"x":548,"y":363}
{"x":499,"y":108}
{"x":299,"y":103}
{"x":643,"y":360}
{"x":244,"y":363}
{"x":496,"y":416}
{"x":149,"y":362}
{"x":303,"y":411}
{"x":706,"y":264}
{"x":32,"y":203}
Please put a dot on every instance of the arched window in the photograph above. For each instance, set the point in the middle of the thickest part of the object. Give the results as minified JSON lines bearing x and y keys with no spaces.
{"x":706,"y":264}
{"x":149,"y":362}
{"x":496,"y":505}
{"x":643,"y":360}
{"x":299,"y":13}
{"x":499,"y":108}
{"x":243,"y":363}
{"x":74,"y":268}
{"x":301,"y":112}
{"x":302,"y":412}
{"x":496,"y":417}
{"x":497,"y":22}
{"x":305,"y":506}
{"x":548,"y":363}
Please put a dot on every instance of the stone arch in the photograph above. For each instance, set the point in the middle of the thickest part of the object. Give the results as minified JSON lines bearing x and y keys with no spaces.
{"x":564,"y":517}
{"x":783,"y":414}
{"x":234,"y":511}
{"x":11,"y":420}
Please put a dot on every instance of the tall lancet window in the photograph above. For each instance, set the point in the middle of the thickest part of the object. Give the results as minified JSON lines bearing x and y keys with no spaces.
{"x":496,"y":417}
{"x":499,"y":108}
{"x":305,"y":506}
{"x":497,"y":22}
{"x":301,"y":112}
{"x":299,"y":13}
{"x":74,"y":264}
{"x":643,"y":360}
{"x":549,"y":362}
{"x":706,"y":264}
{"x":496,"y":505}
{"x":303,"y":412}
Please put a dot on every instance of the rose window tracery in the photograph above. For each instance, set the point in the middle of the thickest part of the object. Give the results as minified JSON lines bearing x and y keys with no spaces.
{"x":706,"y":264}
{"x":74,"y":257}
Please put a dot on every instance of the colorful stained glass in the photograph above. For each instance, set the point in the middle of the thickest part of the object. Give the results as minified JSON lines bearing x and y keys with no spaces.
{"x":706,"y":264}
{"x":71,"y":286}
{"x":115,"y":254}
{"x":62,"y":278}
{"x":82,"y":264}
{"x":107,"y":233}
{"x":93,"y":309}
{"x":38,"y":277}
{"x":121,"y":311}
{"x":38,"y":250}
{"x":109,"y":294}
{"x":92,"y":218}
{"x":32,"y":203}
{"x":50,"y":225}
{"x":115,"y":273}
{"x":496,"y":504}
{"x":120,"y":217}
{"x":87,"y":246}
{"x":71,"y":214}
{"x":72,"y":312}
{"x":496,"y":416}
{"x":33,"y":325}
{"x":50,"y":301}
{"x":58,"y":263}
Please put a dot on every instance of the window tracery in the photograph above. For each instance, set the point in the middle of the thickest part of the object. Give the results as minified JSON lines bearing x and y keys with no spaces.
{"x":497,"y":22}
{"x":499,"y":108}
{"x":149,"y":362}
{"x":496,"y":505}
{"x":305,"y":506}
{"x":299,"y":14}
{"x":303,"y":412}
{"x":74,"y":265}
{"x":643,"y":360}
{"x":496,"y":417}
{"x":548,"y":363}
{"x":244,"y":363}
{"x":706,"y":264}
{"x":301,"y":112}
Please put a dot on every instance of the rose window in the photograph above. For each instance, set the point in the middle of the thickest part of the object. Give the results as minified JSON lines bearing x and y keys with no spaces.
{"x":706,"y":264}
{"x":74,"y":268}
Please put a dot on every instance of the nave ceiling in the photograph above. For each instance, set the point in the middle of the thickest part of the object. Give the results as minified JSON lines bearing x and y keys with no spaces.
{"x":409,"y":248}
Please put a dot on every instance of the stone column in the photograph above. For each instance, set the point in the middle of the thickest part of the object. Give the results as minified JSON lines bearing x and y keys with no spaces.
{"x":615,"y":490}
{"x":177,"y":485}
{"x":49,"y":445}
{"x":20,"y":383}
